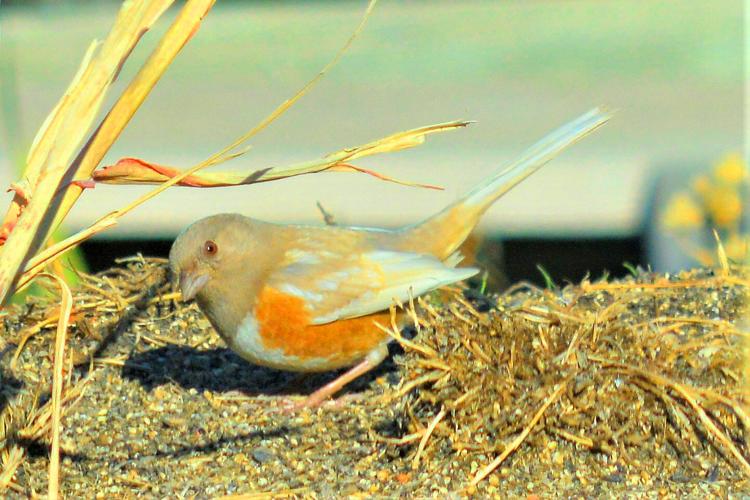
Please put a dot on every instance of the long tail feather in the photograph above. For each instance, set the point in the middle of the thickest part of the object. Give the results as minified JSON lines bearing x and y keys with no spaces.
{"x":443,"y":233}
{"x":534,"y":158}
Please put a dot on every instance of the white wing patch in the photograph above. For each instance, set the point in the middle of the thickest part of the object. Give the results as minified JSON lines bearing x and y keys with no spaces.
{"x":403,"y":275}
{"x":346,"y":286}
{"x":306,"y":295}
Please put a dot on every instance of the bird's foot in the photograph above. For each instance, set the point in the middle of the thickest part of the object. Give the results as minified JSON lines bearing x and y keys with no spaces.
{"x":290,"y":406}
{"x":323,"y":394}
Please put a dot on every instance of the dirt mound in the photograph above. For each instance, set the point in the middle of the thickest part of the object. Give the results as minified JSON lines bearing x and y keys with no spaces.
{"x":599,"y":388}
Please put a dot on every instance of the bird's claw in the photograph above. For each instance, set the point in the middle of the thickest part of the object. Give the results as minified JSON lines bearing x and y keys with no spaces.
{"x":289,"y":406}
{"x":286,"y":406}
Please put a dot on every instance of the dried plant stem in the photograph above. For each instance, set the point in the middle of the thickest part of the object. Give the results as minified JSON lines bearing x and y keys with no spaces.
{"x":580,"y":440}
{"x":432,"y":376}
{"x":701,"y":283}
{"x":37,"y":263}
{"x":409,"y":438}
{"x":30,"y":332}
{"x":227,"y":151}
{"x":39,"y":423}
{"x":271,"y":495}
{"x":182,"y":29}
{"x":66,"y":307}
{"x":690,"y":395}
{"x":487,"y":470}
{"x":47,"y":166}
{"x":284,"y":106}
{"x":12,"y":458}
{"x":396,"y":335}
{"x":721,"y":254}
{"x":426,"y":437}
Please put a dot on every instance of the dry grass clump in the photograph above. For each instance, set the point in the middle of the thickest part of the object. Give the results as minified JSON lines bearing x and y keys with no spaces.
{"x":644,"y":369}
{"x":103,"y":308}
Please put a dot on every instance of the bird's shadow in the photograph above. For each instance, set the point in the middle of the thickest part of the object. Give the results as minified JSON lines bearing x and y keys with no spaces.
{"x":221,"y":370}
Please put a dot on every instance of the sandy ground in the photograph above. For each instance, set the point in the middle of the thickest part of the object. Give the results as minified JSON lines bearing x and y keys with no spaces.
{"x":165,"y":410}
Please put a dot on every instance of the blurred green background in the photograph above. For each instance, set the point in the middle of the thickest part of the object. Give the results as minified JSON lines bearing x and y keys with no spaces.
{"x":673,"y":69}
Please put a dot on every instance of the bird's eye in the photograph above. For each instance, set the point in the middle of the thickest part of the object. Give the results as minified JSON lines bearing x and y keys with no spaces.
{"x":210,"y":248}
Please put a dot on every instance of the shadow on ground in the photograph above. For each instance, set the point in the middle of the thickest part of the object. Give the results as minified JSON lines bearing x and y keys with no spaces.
{"x":221,"y":370}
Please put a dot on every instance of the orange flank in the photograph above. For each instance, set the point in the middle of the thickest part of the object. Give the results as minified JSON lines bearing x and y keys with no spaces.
{"x":284,"y":323}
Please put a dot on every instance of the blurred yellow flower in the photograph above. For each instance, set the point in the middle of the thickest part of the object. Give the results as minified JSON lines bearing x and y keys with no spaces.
{"x":715,"y":201}
{"x":724,"y":205}
{"x":682,"y":212}
{"x":731,"y":170}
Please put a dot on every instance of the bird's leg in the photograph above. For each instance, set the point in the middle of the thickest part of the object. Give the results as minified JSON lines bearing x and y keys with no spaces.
{"x":373,"y":359}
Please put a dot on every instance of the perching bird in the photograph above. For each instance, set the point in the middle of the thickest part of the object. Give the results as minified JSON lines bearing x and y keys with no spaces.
{"x":306,"y":298}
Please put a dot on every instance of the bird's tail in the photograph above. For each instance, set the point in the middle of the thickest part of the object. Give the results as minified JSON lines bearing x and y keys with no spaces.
{"x":443,"y":233}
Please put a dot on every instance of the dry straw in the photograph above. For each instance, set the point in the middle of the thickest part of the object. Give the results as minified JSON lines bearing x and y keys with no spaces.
{"x":66,"y":307}
{"x":591,"y":365}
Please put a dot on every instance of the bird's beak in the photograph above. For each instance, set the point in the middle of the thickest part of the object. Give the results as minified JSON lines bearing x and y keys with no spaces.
{"x":191,"y":283}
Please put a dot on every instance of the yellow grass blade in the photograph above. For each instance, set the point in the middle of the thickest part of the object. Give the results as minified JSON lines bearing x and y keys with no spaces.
{"x":37,"y":263}
{"x":40,"y":146}
{"x":66,"y":307}
{"x":45,"y":136}
{"x":64,"y":131}
{"x":284,"y":106}
{"x":182,"y":29}
{"x":721,"y":254}
{"x":10,"y":126}
{"x":229,"y":152}
{"x":136,"y":171}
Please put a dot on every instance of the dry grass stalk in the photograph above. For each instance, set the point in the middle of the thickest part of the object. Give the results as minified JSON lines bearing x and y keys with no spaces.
{"x":426,"y":437}
{"x":665,"y":284}
{"x":580,"y":440}
{"x":690,"y":394}
{"x":721,"y":254}
{"x":179,"y":33}
{"x":230,"y":151}
{"x":66,"y":307}
{"x":270,"y":495}
{"x":489,"y":468}
{"x":48,"y":165}
{"x":30,"y":332}
{"x":37,"y":263}
{"x":41,"y":420}
{"x":135,"y":171}
{"x":12,"y":457}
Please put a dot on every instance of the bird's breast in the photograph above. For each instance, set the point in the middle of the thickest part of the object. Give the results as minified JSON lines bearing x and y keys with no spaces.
{"x":277,"y":333}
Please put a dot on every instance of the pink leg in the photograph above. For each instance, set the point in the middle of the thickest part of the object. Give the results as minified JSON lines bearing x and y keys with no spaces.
{"x":372,"y":360}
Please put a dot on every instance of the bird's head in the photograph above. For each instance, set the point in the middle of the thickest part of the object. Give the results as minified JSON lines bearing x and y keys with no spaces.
{"x":209,"y":252}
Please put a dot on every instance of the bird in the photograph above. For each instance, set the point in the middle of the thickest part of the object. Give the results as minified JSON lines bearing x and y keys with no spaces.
{"x":307,"y":298}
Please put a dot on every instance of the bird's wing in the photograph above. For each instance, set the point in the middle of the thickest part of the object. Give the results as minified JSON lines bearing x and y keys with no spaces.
{"x":338,"y":286}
